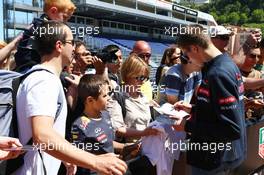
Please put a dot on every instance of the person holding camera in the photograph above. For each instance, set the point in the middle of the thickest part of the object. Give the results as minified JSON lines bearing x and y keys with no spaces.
{"x":83,"y":59}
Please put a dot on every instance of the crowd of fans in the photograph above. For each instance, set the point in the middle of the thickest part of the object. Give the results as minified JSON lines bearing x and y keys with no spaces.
{"x":99,"y":106}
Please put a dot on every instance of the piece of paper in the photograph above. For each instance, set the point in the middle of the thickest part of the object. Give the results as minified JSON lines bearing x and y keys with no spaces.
{"x":168,"y":109}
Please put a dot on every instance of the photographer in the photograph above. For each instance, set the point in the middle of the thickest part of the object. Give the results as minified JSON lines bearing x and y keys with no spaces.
{"x":83,"y":59}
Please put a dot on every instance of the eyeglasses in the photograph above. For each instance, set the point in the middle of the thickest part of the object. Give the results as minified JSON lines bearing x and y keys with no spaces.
{"x":223,"y":37}
{"x":111,"y":92}
{"x":184,"y":58}
{"x":142,"y":78}
{"x":174,"y":58}
{"x":70,"y":42}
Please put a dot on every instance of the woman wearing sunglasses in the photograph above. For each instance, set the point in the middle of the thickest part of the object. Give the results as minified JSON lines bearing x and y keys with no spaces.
{"x":133,"y":125}
{"x":170,"y":57}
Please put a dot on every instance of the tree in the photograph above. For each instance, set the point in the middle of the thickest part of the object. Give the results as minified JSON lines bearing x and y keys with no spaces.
{"x":257,"y":16}
{"x":243,"y":18}
{"x":233,"y":18}
{"x":222,"y":19}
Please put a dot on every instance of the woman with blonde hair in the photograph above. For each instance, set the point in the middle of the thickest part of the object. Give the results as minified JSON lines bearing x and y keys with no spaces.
{"x":134,"y":124}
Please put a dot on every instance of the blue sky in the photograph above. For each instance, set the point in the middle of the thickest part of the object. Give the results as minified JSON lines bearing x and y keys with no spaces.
{"x":1,"y":21}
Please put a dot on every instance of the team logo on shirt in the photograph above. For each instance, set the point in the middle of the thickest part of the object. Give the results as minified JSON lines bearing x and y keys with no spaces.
{"x":102,"y":137}
{"x":84,"y":122}
{"x":204,"y":91}
{"x":238,"y":77}
{"x":227,"y":100}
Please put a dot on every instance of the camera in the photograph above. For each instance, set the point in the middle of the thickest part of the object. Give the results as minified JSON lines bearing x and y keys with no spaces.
{"x":106,"y":57}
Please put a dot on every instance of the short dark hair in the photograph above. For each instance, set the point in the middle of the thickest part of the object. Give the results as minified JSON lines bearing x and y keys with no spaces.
{"x":79,"y":43}
{"x":111,"y":48}
{"x":90,"y":85}
{"x":194,"y":36}
{"x":46,"y":41}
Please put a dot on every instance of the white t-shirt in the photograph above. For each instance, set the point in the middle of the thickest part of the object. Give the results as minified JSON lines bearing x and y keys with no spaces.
{"x":39,"y":94}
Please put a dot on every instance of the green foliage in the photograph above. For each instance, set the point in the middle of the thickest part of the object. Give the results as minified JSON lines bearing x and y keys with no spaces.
{"x":257,"y":15}
{"x":235,"y":12}
{"x":233,"y":18}
{"x":243,"y":18}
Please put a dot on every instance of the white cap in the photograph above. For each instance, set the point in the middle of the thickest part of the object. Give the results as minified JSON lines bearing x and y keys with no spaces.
{"x":220,"y":30}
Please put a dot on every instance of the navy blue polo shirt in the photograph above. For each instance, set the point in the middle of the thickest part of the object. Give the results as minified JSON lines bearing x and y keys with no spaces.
{"x":218,"y":117}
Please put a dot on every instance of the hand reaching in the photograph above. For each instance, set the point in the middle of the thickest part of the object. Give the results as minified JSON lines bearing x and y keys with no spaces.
{"x":8,"y":143}
{"x":110,"y":164}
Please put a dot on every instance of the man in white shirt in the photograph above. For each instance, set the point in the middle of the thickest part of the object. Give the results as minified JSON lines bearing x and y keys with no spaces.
{"x":42,"y":111}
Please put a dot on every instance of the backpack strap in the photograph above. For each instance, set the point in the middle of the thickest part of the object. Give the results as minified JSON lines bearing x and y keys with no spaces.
{"x":14,"y":164}
{"x":119,"y":97}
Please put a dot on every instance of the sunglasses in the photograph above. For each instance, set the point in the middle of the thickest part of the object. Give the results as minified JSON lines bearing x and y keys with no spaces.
{"x":111,"y":93}
{"x":142,"y":78}
{"x":184,"y":58}
{"x":223,"y":37}
{"x":144,"y":55}
{"x":174,"y":58}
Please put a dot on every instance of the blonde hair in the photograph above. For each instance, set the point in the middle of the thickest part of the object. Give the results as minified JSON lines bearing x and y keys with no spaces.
{"x":62,"y":5}
{"x":132,"y":67}
{"x":2,"y":44}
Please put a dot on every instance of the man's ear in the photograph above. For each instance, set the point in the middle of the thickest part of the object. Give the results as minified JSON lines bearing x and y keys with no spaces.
{"x":53,"y":10}
{"x":194,"y":48}
{"x":89,"y":99}
{"x":58,"y":46}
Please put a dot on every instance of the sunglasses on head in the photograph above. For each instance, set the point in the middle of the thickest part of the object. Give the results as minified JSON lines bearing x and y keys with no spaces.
{"x":142,"y":78}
